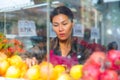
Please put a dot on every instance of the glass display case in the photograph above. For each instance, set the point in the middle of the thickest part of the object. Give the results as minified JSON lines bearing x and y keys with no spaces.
{"x":26,"y":34}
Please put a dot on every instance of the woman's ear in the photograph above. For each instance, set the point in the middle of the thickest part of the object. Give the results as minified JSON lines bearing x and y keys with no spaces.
{"x":73,"y":24}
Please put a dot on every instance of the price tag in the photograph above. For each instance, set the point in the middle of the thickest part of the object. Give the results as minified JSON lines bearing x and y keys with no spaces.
{"x":26,"y":28}
{"x":95,"y":34}
{"x":78,"y":30}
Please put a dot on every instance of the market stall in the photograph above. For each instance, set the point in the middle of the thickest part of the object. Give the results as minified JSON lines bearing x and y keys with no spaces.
{"x":26,"y":35}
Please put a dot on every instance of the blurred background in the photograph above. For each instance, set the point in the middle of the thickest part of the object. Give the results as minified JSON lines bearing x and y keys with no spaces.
{"x":98,"y":20}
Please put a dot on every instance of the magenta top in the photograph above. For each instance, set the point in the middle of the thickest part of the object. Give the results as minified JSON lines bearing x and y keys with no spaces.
{"x":67,"y":61}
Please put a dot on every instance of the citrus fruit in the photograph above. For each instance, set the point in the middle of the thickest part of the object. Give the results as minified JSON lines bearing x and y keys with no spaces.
{"x":33,"y":73}
{"x":13,"y":72}
{"x":16,"y":60}
{"x":64,"y":76}
{"x":76,"y":71}
{"x":2,"y":56}
{"x":23,"y":69}
{"x":46,"y":71}
{"x":4,"y":64}
{"x":59,"y":69}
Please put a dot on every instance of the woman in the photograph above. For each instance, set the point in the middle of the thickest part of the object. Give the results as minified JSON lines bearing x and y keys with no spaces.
{"x":63,"y":49}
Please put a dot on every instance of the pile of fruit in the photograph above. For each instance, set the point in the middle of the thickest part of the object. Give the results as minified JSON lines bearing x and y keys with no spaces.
{"x":99,"y":66}
{"x":102,"y":66}
{"x":10,"y":46}
{"x":10,"y":63}
{"x":15,"y":68}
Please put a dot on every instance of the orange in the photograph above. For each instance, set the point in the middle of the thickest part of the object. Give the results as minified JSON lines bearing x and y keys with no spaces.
{"x":46,"y":71}
{"x":13,"y":72}
{"x":4,"y":64}
{"x":53,"y":75}
{"x":39,"y":79}
{"x":59,"y":69}
{"x":76,"y":71}
{"x":16,"y":60}
{"x":64,"y":76}
{"x":23,"y":69}
{"x":2,"y":56}
{"x":33,"y":73}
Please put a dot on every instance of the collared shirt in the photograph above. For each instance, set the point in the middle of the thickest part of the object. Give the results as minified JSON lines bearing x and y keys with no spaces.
{"x":56,"y":58}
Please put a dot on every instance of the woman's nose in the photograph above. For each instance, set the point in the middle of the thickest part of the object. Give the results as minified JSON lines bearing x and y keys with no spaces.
{"x":60,"y":28}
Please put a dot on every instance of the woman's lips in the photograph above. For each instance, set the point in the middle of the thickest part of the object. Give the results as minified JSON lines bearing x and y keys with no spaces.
{"x":62,"y":34}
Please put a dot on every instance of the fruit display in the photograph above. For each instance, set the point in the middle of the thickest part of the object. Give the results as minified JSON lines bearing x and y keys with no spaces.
{"x":11,"y":64}
{"x":99,"y":66}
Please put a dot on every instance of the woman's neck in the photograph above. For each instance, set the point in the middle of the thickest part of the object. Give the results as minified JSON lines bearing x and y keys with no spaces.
{"x":65,"y":47}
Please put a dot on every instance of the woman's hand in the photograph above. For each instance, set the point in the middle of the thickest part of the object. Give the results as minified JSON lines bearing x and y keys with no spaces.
{"x":31,"y":61}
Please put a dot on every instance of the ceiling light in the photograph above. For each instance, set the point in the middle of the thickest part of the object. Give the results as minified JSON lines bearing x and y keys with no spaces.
{"x":109,"y":32}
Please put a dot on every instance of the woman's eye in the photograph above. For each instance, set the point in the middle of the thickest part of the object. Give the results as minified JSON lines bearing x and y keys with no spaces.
{"x":55,"y":25}
{"x":64,"y":23}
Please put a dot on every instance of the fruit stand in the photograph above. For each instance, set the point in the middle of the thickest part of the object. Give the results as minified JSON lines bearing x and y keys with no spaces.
{"x":98,"y":66}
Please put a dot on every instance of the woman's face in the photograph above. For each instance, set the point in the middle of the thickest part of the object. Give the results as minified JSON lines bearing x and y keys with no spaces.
{"x":62,"y":26}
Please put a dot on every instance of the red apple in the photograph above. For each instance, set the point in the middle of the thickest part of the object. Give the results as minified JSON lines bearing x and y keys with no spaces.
{"x":113,"y":60}
{"x":109,"y":75}
{"x":91,"y":72}
{"x":97,"y":58}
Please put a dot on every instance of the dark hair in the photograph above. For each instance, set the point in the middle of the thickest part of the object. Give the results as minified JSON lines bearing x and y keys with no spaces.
{"x":62,"y":10}
{"x":113,"y":45}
